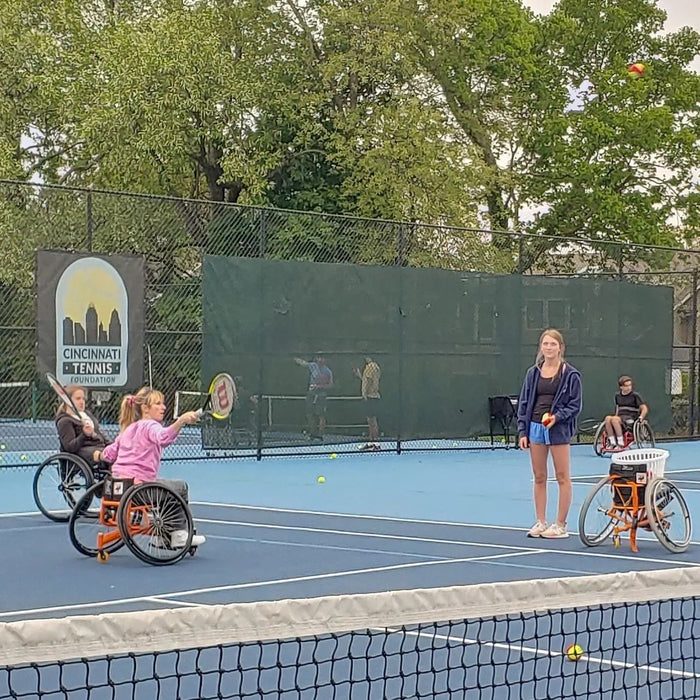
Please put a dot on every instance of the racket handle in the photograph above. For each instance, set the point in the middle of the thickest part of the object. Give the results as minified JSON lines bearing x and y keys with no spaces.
{"x":200,"y":412}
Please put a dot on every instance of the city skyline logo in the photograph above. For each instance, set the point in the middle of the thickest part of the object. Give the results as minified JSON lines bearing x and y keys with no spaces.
{"x":92,"y":336}
{"x":92,"y":330}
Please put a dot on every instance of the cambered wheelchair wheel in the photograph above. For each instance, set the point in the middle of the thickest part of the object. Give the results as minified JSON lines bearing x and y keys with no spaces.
{"x":600,"y":440}
{"x":85,"y":523}
{"x":59,"y":483}
{"x":148,"y":515}
{"x":643,"y":434}
{"x":595,"y":524}
{"x":668,"y":515}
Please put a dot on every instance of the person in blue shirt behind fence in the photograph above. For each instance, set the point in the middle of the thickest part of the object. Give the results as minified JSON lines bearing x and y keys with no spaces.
{"x":320,"y":383}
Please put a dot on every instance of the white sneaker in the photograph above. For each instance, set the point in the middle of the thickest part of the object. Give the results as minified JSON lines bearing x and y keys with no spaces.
{"x":178,"y":539}
{"x":555,"y":531}
{"x":537,"y":529}
{"x":611,"y":444}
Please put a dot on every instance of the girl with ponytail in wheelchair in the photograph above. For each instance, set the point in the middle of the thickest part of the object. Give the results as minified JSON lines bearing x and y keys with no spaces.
{"x":137,"y":450}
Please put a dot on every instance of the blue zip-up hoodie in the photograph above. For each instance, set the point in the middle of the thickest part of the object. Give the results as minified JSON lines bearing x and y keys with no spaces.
{"x":566,"y":405}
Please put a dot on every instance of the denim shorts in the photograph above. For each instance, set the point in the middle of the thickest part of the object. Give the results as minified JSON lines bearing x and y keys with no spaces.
{"x":539,"y":434}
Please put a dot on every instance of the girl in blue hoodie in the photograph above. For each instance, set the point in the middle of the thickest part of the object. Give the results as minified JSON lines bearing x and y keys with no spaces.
{"x":548,"y":409}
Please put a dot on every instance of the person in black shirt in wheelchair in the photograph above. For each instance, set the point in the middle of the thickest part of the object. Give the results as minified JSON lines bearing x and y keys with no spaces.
{"x":629,"y":406}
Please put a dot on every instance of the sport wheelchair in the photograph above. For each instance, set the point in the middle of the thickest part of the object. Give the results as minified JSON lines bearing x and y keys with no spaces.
{"x":638,"y":434}
{"x":117,"y":512}
{"x":60,"y":481}
{"x":635,"y":494}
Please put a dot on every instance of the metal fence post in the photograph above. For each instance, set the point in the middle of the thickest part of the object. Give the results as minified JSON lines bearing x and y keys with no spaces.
{"x":521,"y":256}
{"x":89,"y":222}
{"x":620,"y":264}
{"x":262,"y":241}
{"x":400,"y":246}
{"x":692,"y":378}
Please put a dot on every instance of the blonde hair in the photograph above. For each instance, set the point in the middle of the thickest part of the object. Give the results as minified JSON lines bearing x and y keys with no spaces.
{"x":552,"y":333}
{"x":70,"y":390}
{"x":132,"y":405}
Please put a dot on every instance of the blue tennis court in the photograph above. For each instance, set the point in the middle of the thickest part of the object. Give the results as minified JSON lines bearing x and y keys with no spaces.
{"x":379,"y":522}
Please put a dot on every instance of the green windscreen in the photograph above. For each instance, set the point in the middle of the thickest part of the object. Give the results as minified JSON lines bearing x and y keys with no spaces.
{"x":445,"y":341}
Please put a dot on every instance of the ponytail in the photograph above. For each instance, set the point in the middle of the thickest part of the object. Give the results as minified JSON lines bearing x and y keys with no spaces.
{"x":132,"y":405}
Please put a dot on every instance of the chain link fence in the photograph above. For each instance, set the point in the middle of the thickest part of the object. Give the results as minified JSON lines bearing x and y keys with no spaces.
{"x":173,"y":235}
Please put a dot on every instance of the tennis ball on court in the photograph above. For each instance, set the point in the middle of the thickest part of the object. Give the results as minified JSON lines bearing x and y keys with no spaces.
{"x":334,"y":455}
{"x":574,"y":652}
{"x":321,"y":479}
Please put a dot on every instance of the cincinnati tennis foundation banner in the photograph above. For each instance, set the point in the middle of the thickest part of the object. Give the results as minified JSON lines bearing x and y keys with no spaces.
{"x":90,"y":318}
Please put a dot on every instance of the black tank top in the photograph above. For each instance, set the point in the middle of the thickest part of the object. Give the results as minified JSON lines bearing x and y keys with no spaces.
{"x":546,"y":391}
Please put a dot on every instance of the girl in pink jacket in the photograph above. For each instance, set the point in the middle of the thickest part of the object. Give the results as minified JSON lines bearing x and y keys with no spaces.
{"x":136,"y":452}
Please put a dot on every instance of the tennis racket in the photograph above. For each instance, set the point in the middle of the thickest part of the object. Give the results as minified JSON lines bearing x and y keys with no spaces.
{"x":222,"y":397}
{"x":61,"y":392}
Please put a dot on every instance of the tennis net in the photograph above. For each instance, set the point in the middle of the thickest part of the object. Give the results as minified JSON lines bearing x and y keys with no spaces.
{"x":639,"y":634}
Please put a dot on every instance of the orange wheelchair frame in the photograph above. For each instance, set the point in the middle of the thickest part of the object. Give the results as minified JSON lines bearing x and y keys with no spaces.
{"x":141,"y":516}
{"x":616,"y":505}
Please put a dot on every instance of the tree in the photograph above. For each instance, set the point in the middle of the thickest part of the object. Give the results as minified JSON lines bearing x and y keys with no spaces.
{"x":615,"y":163}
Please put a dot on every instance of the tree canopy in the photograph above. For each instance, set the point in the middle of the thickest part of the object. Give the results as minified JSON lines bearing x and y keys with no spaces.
{"x":458,"y":112}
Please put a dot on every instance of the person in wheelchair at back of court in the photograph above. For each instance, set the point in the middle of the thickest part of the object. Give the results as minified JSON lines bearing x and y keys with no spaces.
{"x":80,"y":434}
{"x":629,"y":406}
{"x":136,"y":452}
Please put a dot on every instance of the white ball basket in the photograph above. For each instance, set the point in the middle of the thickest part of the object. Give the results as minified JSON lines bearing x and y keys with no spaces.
{"x":654,"y":458}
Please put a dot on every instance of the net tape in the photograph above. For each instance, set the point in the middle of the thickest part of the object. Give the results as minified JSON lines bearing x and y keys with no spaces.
{"x":92,"y":636}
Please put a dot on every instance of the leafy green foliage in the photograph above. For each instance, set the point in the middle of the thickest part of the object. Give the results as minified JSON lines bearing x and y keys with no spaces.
{"x":459,"y":112}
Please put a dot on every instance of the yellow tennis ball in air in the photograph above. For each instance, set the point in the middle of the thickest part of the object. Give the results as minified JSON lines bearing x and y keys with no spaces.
{"x":23,"y":457}
{"x":574,"y":652}
{"x":334,"y":455}
{"x":636,"y":70}
{"x":2,"y":447}
{"x":321,"y":479}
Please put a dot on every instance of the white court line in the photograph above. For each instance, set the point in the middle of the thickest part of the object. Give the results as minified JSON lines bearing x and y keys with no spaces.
{"x":433,"y":540}
{"x":255,"y":584}
{"x":365,"y":516}
{"x":613,"y":663}
{"x":287,"y":543}
{"x":386,"y":518}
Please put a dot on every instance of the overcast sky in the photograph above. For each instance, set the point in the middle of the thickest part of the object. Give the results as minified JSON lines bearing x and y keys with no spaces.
{"x":680,"y":13}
